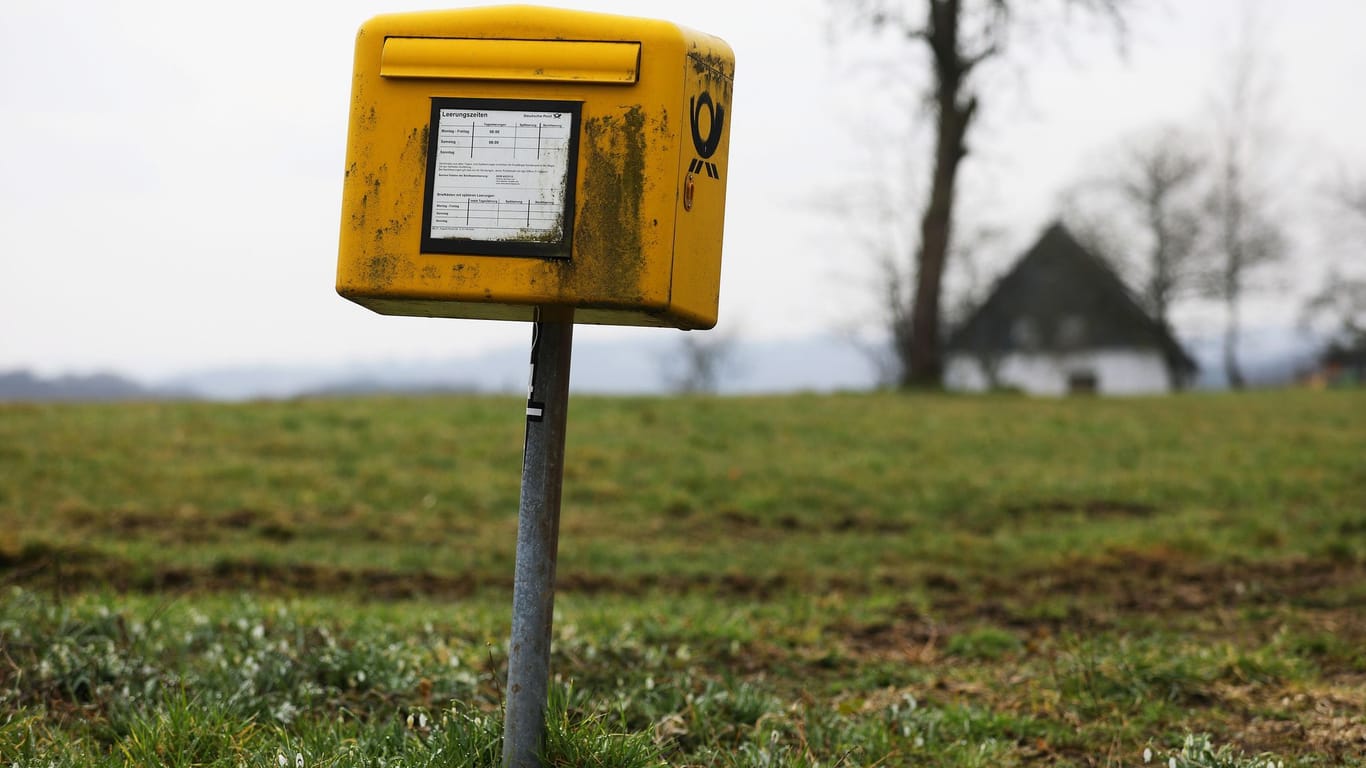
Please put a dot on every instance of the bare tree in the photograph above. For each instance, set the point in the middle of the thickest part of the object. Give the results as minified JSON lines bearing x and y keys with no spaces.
{"x":1145,"y":217}
{"x":886,"y":239}
{"x":959,"y":36}
{"x":1351,"y":195}
{"x":968,"y":284}
{"x":967,"y":281}
{"x":1247,"y":235}
{"x":1160,"y":184}
{"x":1338,"y":308}
{"x":699,"y":361}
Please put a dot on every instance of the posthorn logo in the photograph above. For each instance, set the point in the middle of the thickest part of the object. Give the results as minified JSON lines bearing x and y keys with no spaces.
{"x":713,"y":121}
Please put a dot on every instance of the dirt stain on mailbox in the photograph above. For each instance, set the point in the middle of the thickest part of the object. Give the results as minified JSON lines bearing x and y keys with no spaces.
{"x":607,"y":240}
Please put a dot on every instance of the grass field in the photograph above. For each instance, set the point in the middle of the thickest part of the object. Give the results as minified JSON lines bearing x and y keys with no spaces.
{"x":790,"y":581}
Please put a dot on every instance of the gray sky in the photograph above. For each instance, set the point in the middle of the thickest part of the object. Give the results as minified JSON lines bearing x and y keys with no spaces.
{"x":171,"y":176}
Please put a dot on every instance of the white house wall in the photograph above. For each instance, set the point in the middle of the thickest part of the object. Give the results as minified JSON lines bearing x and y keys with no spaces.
{"x":1117,"y":372}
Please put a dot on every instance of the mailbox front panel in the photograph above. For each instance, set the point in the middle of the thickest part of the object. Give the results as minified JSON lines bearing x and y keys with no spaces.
{"x":562,"y":141}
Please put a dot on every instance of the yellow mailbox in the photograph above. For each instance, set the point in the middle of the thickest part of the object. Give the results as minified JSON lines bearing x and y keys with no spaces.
{"x":505,"y":159}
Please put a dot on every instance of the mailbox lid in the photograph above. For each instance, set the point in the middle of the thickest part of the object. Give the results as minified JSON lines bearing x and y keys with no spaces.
{"x":522,"y":22}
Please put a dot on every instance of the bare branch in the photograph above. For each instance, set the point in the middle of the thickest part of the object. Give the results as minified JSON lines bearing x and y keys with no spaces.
{"x":1145,"y":215}
{"x":1338,"y":311}
{"x":879,"y":16}
{"x":1351,"y":195}
{"x":970,"y":62}
{"x":1112,"y":10}
{"x":700,"y":361}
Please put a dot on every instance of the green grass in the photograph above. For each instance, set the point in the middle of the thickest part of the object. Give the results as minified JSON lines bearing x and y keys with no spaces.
{"x":845,"y":580}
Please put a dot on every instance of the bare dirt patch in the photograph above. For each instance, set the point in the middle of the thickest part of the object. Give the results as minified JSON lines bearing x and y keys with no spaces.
{"x":1082,"y":593}
{"x":1090,"y":594}
{"x":1329,"y":719}
{"x":1095,"y":509}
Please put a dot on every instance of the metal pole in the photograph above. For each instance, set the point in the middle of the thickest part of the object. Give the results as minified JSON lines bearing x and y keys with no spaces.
{"x":538,"y":534}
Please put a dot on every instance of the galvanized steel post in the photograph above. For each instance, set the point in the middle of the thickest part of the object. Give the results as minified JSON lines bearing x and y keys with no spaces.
{"x":538,"y":533}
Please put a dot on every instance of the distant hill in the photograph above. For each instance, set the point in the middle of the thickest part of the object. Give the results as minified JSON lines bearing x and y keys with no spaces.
{"x":1270,"y":357}
{"x":368,"y":386}
{"x":24,"y":386}
{"x":817,"y":364}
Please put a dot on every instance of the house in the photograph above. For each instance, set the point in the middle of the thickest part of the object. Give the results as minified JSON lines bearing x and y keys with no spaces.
{"x":1062,"y":322}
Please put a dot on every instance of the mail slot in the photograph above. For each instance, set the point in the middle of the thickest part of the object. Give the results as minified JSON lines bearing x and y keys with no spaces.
{"x":509,"y":60}
{"x":511,"y":159}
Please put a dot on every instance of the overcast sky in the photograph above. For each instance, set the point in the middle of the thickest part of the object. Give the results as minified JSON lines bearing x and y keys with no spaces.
{"x":170,"y":179}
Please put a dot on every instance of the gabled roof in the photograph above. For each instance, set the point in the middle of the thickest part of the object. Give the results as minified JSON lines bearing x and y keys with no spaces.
{"x":1059,"y":297}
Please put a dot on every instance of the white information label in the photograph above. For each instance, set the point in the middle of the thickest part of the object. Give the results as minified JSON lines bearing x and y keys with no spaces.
{"x":500,"y":175}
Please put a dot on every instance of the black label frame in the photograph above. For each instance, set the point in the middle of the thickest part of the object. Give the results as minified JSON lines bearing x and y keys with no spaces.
{"x":559,"y":249}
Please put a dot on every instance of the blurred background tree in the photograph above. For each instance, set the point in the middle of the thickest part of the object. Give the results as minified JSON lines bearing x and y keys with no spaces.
{"x":1144,"y":215}
{"x":958,"y":37}
{"x":1248,"y":232}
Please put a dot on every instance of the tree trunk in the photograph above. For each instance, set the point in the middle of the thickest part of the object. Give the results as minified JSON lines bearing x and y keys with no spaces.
{"x":926,"y":364}
{"x":1232,"y":370}
{"x":1177,"y":376}
{"x":922,"y":361}
{"x":1234,"y":248}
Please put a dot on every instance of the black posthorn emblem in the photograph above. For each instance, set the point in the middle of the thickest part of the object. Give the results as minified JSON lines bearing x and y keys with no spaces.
{"x":715,"y":121}
{"x":716,"y":117}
